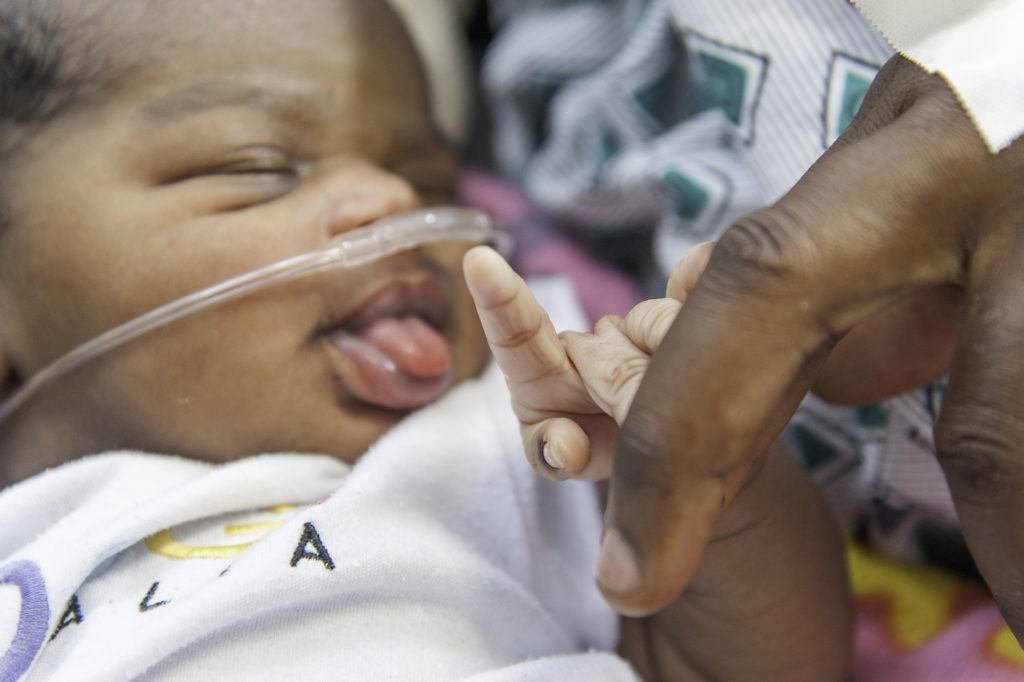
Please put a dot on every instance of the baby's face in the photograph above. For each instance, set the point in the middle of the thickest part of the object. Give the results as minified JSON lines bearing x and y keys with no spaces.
{"x":240,"y":134}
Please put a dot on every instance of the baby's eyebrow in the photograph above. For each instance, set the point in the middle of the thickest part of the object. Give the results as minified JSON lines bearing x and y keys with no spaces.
{"x":288,"y":99}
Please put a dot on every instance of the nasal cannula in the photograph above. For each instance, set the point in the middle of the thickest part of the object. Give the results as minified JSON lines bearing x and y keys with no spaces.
{"x":354,"y":248}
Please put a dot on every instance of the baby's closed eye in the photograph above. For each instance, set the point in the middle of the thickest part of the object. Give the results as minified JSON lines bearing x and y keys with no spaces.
{"x":233,"y":179}
{"x":256,"y":160}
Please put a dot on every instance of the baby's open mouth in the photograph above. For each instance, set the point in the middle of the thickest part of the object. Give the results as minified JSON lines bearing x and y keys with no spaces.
{"x":391,"y":353}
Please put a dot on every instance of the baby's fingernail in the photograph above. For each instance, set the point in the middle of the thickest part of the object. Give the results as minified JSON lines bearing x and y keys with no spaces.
{"x":489,"y":278}
{"x":552,"y":457}
{"x":617,"y":568}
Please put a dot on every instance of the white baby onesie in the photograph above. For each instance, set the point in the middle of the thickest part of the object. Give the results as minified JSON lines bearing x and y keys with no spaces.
{"x":438,"y":556}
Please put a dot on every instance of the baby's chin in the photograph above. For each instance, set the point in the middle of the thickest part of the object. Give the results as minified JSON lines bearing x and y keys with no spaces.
{"x":370,"y":422}
{"x":356,"y":425}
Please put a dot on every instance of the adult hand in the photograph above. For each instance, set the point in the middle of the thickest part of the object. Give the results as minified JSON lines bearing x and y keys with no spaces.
{"x":906,"y":211}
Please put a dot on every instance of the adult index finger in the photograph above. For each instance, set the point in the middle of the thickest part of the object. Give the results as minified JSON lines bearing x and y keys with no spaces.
{"x":872,"y":220}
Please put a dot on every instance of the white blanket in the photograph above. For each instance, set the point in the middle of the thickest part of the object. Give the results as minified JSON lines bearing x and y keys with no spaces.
{"x":974,"y":44}
{"x":438,"y":556}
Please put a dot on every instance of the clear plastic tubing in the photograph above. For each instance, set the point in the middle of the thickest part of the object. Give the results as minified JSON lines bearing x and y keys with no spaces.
{"x":351,"y":249}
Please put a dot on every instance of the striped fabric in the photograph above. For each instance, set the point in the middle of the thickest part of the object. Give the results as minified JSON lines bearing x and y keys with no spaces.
{"x":672,"y":115}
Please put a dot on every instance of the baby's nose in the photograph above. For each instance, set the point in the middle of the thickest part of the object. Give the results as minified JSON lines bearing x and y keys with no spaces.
{"x":361,"y":193}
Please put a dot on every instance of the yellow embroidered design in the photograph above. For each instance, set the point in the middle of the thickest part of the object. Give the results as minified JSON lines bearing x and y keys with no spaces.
{"x":164,"y":544}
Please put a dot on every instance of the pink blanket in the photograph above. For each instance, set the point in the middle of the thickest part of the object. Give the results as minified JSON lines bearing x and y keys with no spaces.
{"x":918,"y":623}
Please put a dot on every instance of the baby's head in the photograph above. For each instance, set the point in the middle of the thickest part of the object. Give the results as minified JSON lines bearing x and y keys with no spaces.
{"x":150,"y":149}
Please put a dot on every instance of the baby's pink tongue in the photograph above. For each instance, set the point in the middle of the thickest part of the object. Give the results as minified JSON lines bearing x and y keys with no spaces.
{"x":412,"y":344}
{"x":397,"y":363}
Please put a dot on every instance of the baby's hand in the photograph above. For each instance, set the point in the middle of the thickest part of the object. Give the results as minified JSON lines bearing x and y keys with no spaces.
{"x":570,"y":391}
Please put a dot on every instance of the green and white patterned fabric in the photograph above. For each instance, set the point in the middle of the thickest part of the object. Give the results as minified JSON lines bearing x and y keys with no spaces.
{"x":678,"y":116}
{"x":877,"y":466}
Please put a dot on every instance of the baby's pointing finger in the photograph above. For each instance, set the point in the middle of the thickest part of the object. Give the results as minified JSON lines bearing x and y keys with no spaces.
{"x":521,"y":336}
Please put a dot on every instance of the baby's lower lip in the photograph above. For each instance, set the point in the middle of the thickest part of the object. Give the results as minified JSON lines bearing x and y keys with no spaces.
{"x":379,"y":374}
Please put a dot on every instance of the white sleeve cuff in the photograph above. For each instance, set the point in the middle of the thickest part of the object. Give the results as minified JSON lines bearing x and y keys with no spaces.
{"x":974,"y":44}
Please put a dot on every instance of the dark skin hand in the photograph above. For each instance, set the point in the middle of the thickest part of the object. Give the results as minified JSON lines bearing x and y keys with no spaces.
{"x":770,"y":601}
{"x":895,"y":258}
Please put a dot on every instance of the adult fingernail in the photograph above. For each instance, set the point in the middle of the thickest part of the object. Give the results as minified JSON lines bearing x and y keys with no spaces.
{"x":617,"y":568}
{"x":553,"y":457}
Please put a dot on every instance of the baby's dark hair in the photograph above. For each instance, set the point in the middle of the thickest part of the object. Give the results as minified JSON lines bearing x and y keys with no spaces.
{"x":44,"y":69}
{"x":39,"y":79}
{"x":30,"y":82}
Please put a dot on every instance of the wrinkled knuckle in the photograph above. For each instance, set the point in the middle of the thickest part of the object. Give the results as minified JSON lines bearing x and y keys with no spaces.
{"x":978,"y":446}
{"x":755,"y":253}
{"x":648,"y":319}
{"x":622,"y":372}
{"x":658,"y":310}
{"x":769,"y":264}
{"x":643,"y":313}
{"x":522,"y":336}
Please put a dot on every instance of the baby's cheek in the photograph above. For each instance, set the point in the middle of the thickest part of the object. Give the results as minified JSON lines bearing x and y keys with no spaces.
{"x":469,"y":345}
{"x":470,"y":351}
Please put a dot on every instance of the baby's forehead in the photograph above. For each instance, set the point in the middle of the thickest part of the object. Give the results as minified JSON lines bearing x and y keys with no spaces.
{"x":136,"y":35}
{"x":319,"y":67}
{"x":174,"y":55}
